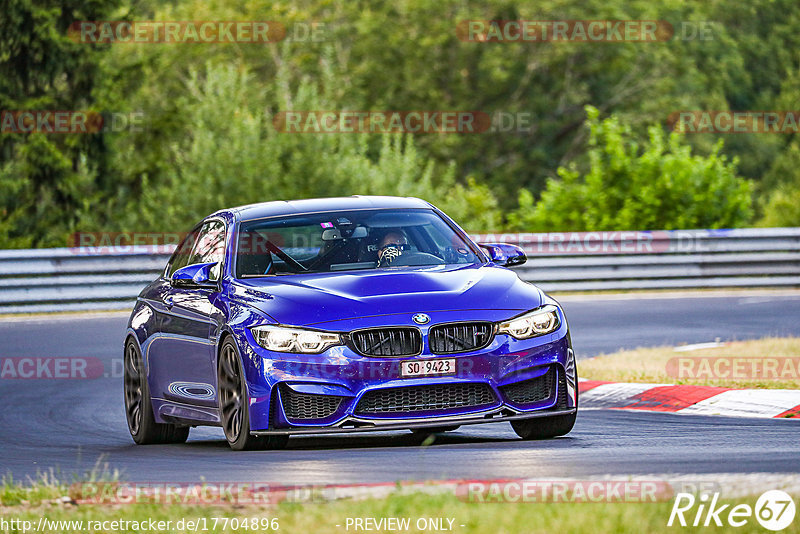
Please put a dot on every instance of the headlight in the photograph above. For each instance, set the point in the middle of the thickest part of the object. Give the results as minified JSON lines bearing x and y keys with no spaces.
{"x":283,"y":339}
{"x":535,"y":323}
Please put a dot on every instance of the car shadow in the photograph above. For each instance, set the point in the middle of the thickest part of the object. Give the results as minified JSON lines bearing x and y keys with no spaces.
{"x":395,"y":439}
{"x":386,"y":440}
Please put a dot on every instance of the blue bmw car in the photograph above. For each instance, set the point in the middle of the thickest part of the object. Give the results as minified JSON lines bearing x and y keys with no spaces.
{"x":343,"y":315}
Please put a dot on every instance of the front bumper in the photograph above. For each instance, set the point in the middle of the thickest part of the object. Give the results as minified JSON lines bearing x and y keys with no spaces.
{"x":345,"y":379}
{"x":358,"y":425}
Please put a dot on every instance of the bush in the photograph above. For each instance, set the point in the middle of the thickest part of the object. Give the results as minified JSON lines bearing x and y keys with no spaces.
{"x":658,"y":185}
{"x":781,"y":205}
{"x":233,"y":155}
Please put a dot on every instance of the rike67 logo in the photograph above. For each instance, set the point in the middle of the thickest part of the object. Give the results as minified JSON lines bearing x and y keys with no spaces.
{"x":774,"y":510}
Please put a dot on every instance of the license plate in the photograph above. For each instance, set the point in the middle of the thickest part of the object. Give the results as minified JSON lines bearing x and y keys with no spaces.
{"x":428,"y":367}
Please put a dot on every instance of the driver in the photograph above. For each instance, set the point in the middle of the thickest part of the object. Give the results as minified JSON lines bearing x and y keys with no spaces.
{"x":391,"y":247}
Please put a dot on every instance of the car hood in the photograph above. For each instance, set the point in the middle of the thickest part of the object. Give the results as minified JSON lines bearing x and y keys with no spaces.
{"x":317,"y":298}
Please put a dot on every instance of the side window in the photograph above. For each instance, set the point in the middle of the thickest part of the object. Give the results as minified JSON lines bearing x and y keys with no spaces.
{"x":180,"y":258}
{"x":210,"y":246}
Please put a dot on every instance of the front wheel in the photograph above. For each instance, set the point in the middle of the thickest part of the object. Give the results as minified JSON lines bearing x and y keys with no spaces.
{"x":234,"y":408}
{"x":544,"y":427}
{"x":138,"y":408}
{"x":555,"y":425}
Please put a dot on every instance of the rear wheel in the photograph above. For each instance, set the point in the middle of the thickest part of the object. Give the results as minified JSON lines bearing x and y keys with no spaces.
{"x":234,"y":409}
{"x":139,"y":409}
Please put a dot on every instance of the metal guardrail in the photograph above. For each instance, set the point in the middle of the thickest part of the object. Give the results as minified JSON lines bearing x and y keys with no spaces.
{"x":66,"y":279}
{"x":676,"y":259}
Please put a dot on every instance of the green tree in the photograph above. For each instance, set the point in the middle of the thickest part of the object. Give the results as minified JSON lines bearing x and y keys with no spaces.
{"x":408,"y":55}
{"x":781,"y":204}
{"x":658,"y":184}
{"x":48,"y":183}
{"x":402,"y":55}
{"x":231,"y":154}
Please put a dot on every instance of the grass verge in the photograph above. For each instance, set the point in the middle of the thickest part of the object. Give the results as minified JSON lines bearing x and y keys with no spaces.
{"x":743,"y":364}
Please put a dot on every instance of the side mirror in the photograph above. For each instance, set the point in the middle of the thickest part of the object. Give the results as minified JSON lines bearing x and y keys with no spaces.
{"x":195,"y":276}
{"x":504,"y":254}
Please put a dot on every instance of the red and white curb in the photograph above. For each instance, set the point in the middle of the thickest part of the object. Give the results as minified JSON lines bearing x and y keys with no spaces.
{"x":695,"y":400}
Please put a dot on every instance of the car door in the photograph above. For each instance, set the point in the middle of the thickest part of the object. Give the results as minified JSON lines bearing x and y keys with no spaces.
{"x":185,"y":356}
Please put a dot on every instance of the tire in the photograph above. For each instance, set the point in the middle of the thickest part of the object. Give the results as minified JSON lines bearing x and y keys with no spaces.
{"x":544,"y":427}
{"x":138,"y":407}
{"x":234,"y":409}
{"x":557,"y":425}
{"x":434,"y":430}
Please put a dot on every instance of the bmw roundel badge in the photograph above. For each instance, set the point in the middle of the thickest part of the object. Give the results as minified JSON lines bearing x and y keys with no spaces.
{"x":421,"y":318}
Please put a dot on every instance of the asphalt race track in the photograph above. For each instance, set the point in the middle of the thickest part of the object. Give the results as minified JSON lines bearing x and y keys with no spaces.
{"x":68,"y":426}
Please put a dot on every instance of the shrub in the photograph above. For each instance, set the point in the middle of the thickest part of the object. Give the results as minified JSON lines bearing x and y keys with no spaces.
{"x":658,"y":185}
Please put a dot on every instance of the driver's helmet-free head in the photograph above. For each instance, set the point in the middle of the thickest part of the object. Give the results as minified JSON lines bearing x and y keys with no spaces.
{"x":391,"y":247}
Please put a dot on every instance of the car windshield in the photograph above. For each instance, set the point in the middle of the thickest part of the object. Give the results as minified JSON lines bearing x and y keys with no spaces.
{"x":348,"y":240}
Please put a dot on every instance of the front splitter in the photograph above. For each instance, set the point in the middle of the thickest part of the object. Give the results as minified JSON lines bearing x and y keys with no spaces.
{"x":371,"y":425}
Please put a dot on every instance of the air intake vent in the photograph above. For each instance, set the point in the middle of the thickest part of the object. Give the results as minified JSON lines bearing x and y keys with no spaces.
{"x":459,"y":337}
{"x":305,"y":406}
{"x":530,"y":391}
{"x":426,"y":398}
{"x":386,"y":342}
{"x":562,"y":402}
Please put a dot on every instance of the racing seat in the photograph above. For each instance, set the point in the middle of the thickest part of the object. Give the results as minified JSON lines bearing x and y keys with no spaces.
{"x":368,"y":251}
